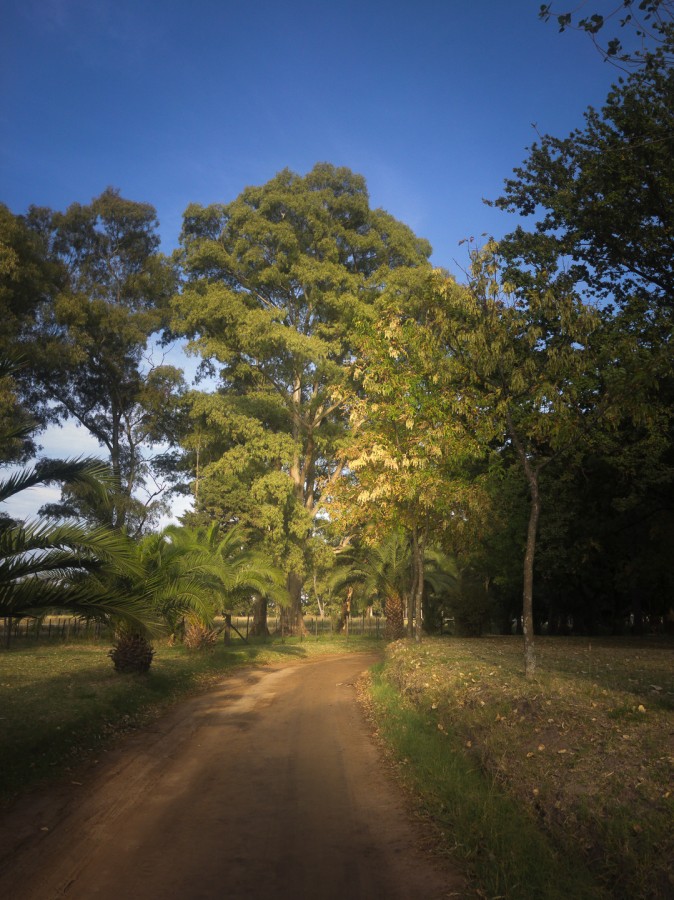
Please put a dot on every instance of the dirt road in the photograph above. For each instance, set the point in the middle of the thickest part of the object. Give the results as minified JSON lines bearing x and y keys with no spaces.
{"x":266,"y":788}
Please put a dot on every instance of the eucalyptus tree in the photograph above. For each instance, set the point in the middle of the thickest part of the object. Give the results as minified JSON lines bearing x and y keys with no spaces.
{"x":275,"y":281}
{"x":28,"y":280}
{"x":96,"y":333}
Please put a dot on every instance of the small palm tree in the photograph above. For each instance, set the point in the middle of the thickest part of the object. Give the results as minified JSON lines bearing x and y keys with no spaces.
{"x":65,"y":566}
{"x":384,"y":570}
{"x":380,"y":571}
{"x":195,"y":573}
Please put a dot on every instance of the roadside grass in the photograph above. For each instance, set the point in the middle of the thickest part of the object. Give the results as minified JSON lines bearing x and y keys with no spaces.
{"x":62,"y":703}
{"x":499,"y":844}
{"x":567,"y":776}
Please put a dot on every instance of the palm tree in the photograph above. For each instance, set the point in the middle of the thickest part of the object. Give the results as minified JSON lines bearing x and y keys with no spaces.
{"x":380,"y":571}
{"x":64,"y":566}
{"x":384,"y":570}
{"x":195,"y":573}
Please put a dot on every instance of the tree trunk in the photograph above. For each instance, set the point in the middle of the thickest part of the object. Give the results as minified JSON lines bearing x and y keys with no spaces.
{"x":418,"y":550}
{"x":408,"y":610}
{"x":531,"y":472}
{"x":291,"y":620}
{"x":321,"y":607}
{"x":259,"y":627}
{"x":395,"y":618}
{"x":528,"y":588}
{"x":343,"y":621}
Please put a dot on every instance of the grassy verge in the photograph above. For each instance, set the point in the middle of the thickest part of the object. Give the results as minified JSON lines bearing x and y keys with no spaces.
{"x":556,"y":787}
{"x":60,"y":702}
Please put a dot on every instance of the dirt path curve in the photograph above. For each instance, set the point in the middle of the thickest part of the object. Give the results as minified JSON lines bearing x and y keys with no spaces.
{"x":266,"y":788}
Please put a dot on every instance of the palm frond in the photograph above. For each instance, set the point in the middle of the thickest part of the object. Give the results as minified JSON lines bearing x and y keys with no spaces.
{"x":84,"y":470}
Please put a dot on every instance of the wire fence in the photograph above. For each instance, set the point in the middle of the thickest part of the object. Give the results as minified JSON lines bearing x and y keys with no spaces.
{"x":65,"y":628}
{"x":72,"y":628}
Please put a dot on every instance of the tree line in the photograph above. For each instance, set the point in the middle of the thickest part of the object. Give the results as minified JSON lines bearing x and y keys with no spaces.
{"x":492,"y":447}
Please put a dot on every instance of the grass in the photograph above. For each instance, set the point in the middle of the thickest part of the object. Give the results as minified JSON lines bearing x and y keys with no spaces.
{"x":61,"y":703}
{"x":561,"y":786}
{"x":566,"y":776}
{"x":499,"y":844}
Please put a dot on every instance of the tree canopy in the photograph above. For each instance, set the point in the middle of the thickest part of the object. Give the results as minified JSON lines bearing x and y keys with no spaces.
{"x":520,"y":422}
{"x":95,"y":335}
{"x":274,"y":283}
{"x":604,"y":195}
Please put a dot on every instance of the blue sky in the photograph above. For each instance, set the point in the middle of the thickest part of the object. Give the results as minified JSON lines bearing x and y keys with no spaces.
{"x":179,"y":102}
{"x":175,"y":102}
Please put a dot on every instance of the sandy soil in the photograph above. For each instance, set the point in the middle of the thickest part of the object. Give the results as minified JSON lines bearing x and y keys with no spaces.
{"x":268,"y":787}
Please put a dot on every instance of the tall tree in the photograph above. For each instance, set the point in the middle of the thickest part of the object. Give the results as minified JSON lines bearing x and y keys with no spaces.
{"x":410,"y":465}
{"x":275,"y":280}
{"x":28,"y":279}
{"x":603,"y":201}
{"x":524,"y":375}
{"x":97,"y":330}
{"x":604,"y":196}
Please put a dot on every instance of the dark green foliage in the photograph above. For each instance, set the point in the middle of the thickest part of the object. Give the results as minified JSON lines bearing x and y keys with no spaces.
{"x":604,"y":196}
{"x":28,"y":278}
{"x":603,"y":204}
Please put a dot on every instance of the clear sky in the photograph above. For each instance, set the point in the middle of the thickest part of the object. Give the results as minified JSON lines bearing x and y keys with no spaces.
{"x":172,"y":102}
